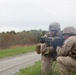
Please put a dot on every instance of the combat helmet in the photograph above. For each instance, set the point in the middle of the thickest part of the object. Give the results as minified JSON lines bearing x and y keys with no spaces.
{"x":54,"y":26}
{"x":69,"y":30}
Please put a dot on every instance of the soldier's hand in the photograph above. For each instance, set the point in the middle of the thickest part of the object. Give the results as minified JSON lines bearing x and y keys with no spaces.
{"x":38,"y":48}
{"x":46,"y":50}
{"x":57,"y":49}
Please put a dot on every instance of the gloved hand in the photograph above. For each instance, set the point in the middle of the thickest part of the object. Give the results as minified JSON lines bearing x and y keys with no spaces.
{"x":46,"y":50}
{"x":58,"y":50}
{"x":38,"y":48}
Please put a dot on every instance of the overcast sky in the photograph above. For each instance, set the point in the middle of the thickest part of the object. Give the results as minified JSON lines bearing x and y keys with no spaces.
{"x":22,"y":15}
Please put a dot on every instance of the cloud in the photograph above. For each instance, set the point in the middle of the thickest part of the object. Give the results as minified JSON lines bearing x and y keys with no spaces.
{"x":36,"y":14}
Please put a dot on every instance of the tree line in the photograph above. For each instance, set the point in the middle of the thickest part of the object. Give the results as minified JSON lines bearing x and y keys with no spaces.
{"x":12,"y":38}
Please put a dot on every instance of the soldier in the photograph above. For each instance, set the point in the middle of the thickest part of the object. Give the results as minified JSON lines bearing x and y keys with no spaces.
{"x":67,"y":53}
{"x":47,"y":53}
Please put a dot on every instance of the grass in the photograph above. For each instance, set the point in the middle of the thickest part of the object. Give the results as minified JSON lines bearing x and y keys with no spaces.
{"x":35,"y":70}
{"x":16,"y":51}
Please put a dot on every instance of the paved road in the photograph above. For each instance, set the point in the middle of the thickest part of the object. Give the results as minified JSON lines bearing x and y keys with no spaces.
{"x":11,"y":66}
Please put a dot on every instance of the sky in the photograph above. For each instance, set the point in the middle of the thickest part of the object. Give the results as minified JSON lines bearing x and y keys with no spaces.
{"x":19,"y":15}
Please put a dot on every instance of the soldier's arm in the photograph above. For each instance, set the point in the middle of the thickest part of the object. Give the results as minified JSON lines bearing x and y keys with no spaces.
{"x":38,"y":48}
{"x":66,"y":48}
{"x":46,"y":50}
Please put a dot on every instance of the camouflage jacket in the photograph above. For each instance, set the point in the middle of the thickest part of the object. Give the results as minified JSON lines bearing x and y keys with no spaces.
{"x":68,"y":47}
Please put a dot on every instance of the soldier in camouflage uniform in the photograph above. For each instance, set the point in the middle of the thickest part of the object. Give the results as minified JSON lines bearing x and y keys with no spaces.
{"x":46,"y":57}
{"x":67,"y":53}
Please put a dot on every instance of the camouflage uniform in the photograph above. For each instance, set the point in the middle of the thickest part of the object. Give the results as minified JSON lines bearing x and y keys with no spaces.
{"x":46,"y":58}
{"x":66,"y":62}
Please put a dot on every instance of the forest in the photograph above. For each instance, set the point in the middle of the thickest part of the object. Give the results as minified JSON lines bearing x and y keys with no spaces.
{"x":12,"y":39}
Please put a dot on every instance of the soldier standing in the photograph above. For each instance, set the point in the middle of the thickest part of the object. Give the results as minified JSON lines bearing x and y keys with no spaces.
{"x":67,"y":53}
{"x":47,"y":53}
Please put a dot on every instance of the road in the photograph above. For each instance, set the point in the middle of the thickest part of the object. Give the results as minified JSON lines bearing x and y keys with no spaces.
{"x":12,"y":65}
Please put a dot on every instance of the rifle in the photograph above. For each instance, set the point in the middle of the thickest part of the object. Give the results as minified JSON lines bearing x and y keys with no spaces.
{"x":52,"y":41}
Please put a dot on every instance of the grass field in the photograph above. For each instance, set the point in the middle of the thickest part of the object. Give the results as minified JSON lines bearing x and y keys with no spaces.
{"x":35,"y":70}
{"x":16,"y":51}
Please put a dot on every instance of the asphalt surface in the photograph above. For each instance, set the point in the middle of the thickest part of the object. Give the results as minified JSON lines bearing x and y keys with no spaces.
{"x":10,"y":66}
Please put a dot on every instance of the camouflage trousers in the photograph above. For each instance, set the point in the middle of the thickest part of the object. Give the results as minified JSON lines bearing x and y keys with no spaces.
{"x":66,"y":65}
{"x":46,"y":64}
